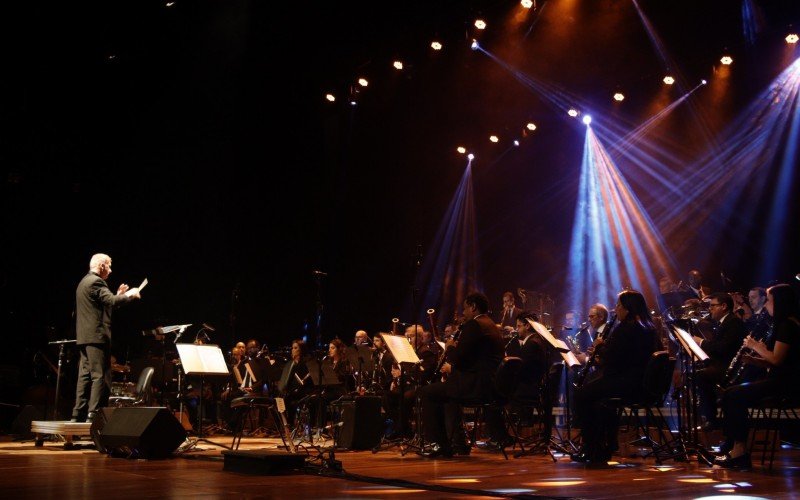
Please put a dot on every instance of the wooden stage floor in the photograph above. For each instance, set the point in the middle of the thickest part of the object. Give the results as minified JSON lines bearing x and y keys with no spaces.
{"x":50,"y":471}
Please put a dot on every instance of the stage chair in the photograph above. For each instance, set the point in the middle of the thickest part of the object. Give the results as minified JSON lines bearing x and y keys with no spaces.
{"x":768,"y":417}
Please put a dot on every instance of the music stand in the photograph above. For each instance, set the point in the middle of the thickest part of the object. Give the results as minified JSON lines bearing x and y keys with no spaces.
{"x":692,"y":352}
{"x":405,"y":356}
{"x":202,"y":360}
{"x":60,"y":344}
{"x":360,"y":356}
{"x":570,"y":362}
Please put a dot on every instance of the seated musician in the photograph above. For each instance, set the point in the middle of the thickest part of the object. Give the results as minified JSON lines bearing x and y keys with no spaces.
{"x":728,"y":337}
{"x":382,"y":360}
{"x":472,"y":363}
{"x":295,"y":381}
{"x":531,"y":349}
{"x":783,"y":379}
{"x":622,"y":356}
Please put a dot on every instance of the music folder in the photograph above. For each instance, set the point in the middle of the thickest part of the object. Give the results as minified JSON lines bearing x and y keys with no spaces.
{"x":559,"y":345}
{"x":401,"y":348}
{"x":329,"y":376}
{"x":689,"y":344}
{"x":360,"y":356}
{"x":202,"y":359}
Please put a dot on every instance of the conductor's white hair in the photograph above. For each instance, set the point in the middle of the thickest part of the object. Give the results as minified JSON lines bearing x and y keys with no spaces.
{"x":97,"y":260}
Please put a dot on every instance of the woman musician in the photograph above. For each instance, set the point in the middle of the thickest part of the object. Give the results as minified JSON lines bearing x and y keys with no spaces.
{"x":783,"y":378}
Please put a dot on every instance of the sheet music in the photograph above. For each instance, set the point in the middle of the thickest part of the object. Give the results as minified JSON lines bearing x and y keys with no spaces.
{"x":689,"y":344}
{"x":140,"y":287}
{"x":400,"y":348}
{"x":557,"y":344}
{"x":199,"y":359}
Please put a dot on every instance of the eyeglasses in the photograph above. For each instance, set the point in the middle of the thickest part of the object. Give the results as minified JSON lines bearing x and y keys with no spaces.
{"x":714,"y":305}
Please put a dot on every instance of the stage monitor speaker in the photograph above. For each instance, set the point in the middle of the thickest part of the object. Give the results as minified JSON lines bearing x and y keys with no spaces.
{"x":140,"y":432}
{"x":362,"y":424}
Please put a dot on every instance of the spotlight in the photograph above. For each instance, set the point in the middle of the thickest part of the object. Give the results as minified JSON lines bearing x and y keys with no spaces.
{"x":170,"y":4}
{"x":531,"y":126}
{"x":669,"y":80}
{"x":398,"y":65}
{"x":619,"y":97}
{"x":461,"y":150}
{"x":572,"y":112}
{"x":330,"y":98}
{"x":474,"y":45}
{"x":436,"y":45}
{"x":703,"y":82}
{"x":726,"y":60}
{"x":792,"y":38}
{"x":363,"y":82}
{"x":353,"y":103}
{"x":527,"y":3}
{"x":480,"y":24}
{"x":493,"y":138}
{"x":516,"y":143}
{"x":471,"y":156}
{"x":587,"y":119}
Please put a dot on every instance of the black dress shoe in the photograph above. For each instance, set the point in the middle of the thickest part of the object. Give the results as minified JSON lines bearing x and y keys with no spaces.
{"x":581,"y":457}
{"x":740,"y":462}
{"x":705,"y":457}
{"x":462,"y":450}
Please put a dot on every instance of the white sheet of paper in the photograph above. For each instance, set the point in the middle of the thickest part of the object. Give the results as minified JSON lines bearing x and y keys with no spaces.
{"x":400,"y":348}
{"x":130,"y":291}
{"x":202,"y":359}
{"x":689,"y":343}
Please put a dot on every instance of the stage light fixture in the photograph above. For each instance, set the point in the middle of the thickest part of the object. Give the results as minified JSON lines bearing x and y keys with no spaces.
{"x":703,"y":82}
{"x":436,"y":45}
{"x":169,"y":4}
{"x":494,"y":138}
{"x":527,"y":3}
{"x":330,"y":98}
{"x":471,"y":156}
{"x":619,"y":97}
{"x":398,"y":65}
{"x":791,"y":38}
{"x":363,"y":82}
{"x":480,"y":24}
{"x":474,"y":45}
{"x":669,"y":80}
{"x":726,"y":60}
{"x":461,"y":149}
{"x":587,"y":119}
{"x":572,"y":112}
{"x":531,"y":126}
{"x":353,"y":103}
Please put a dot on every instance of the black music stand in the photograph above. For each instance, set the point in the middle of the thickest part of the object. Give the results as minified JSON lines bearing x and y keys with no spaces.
{"x":203,"y":360}
{"x":691,"y":354}
{"x":60,"y":344}
{"x":406,"y":357}
{"x":360,"y":356}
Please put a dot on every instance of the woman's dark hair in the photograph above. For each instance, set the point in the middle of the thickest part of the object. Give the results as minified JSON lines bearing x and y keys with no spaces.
{"x":784,"y":303}
{"x":636,"y":306}
{"x":303,"y":347}
{"x":339,"y":347}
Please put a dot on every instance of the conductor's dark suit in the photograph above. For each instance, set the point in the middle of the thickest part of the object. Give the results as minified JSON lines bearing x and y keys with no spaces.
{"x":94,"y":303}
{"x":474,"y":362}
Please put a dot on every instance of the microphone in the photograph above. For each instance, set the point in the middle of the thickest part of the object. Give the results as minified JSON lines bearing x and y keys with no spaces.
{"x":209,"y":327}
{"x":318,"y":273}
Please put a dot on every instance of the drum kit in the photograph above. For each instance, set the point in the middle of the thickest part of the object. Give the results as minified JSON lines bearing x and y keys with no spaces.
{"x":122,"y":388}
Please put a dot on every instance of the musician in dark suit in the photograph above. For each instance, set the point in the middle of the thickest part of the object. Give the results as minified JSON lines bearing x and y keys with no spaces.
{"x":509,"y":314}
{"x":728,"y":336}
{"x":94,"y":304}
{"x":621,"y":356}
{"x":473,"y":361}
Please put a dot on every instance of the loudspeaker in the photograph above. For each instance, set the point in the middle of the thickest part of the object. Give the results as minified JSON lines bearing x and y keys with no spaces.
{"x":139,"y":432}
{"x":362,"y":424}
{"x":98,"y":423}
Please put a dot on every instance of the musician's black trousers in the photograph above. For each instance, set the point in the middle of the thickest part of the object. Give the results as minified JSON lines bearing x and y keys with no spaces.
{"x":94,"y":379}
{"x":738,"y":398}
{"x":706,"y":381}
{"x":599,"y":421}
{"x":441,"y":417}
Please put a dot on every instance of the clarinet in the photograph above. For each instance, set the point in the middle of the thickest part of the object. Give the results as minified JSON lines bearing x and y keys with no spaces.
{"x":443,"y":357}
{"x":736,"y":368}
{"x":580,"y":378}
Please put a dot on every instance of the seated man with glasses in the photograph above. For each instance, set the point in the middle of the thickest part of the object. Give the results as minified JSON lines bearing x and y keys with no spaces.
{"x":729,"y":333}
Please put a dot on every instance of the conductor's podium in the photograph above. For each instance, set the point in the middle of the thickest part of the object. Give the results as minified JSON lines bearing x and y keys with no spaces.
{"x":63,"y":430}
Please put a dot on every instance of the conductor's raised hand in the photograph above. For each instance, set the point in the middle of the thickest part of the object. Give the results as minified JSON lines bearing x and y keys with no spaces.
{"x":122,"y":289}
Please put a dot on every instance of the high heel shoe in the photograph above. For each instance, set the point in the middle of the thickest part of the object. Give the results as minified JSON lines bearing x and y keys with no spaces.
{"x":728,"y":462}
